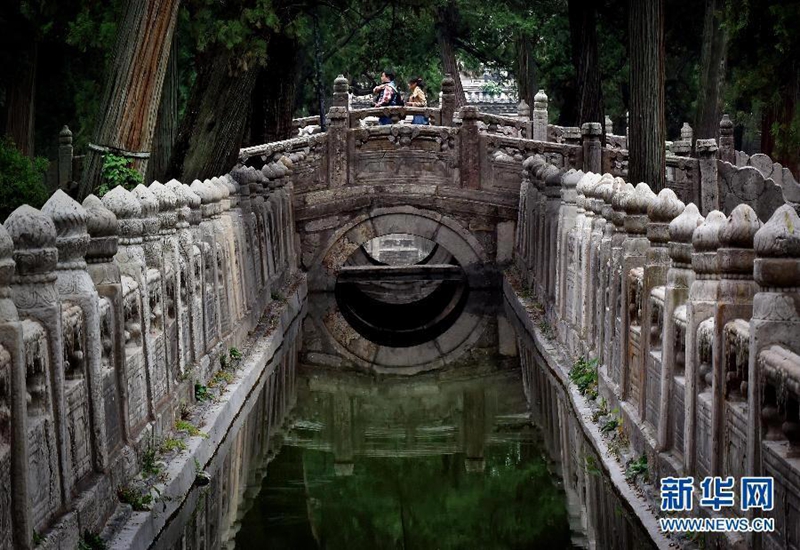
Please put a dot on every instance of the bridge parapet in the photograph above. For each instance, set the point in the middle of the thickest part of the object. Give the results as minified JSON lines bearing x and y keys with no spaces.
{"x":110,"y":312}
{"x":694,"y":320}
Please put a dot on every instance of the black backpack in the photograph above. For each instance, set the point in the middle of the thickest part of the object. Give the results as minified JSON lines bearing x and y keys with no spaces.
{"x":397,"y":99}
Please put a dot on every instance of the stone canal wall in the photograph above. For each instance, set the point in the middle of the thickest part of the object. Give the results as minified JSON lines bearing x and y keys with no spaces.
{"x":114,"y":314}
{"x":693,"y":320}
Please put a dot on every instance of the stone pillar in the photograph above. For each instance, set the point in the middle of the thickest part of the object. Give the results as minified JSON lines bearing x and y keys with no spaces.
{"x":524,"y":116}
{"x":448,"y":107}
{"x":15,"y":440}
{"x":709,"y":183}
{"x":566,"y":222}
{"x":634,"y":250}
{"x":338,"y":124}
{"x":540,"y":116}
{"x":660,"y":213}
{"x":592,"y":234}
{"x":727,"y":151}
{"x":605,"y":317}
{"x":64,"y":158}
{"x":83,"y":352}
{"x":102,"y":226}
{"x":776,"y":316}
{"x":131,"y":261}
{"x":702,"y":301}
{"x":591,"y":132}
{"x":469,"y":148}
{"x":596,"y":267}
{"x":683,"y":147}
{"x":552,"y":196}
{"x":616,"y":300}
{"x":34,"y":293}
{"x":679,"y":279}
{"x":687,"y":133}
{"x":609,"y":125}
{"x":734,"y":301}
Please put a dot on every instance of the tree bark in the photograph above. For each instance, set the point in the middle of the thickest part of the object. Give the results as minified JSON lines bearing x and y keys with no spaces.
{"x":713,"y":57}
{"x":167,"y":123}
{"x":647,"y":156}
{"x":275,"y":91}
{"x":446,"y":24}
{"x":18,"y":117}
{"x":526,"y":70}
{"x":211,"y":132}
{"x":583,"y":33}
{"x":132,"y":93}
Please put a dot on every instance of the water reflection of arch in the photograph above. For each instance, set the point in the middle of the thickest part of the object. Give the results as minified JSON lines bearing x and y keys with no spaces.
{"x":336,"y":343}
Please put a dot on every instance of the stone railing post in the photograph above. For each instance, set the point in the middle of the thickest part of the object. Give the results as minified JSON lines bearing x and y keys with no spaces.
{"x":102,"y":226}
{"x":776,"y":313}
{"x":448,"y":106}
{"x":661,"y":212}
{"x":734,"y":301}
{"x":727,"y":151}
{"x":709,"y":184}
{"x":604,"y":320}
{"x":552,"y":193}
{"x":76,"y":286}
{"x":702,"y":301}
{"x":540,"y":116}
{"x":338,"y":123}
{"x":524,"y":116}
{"x":34,"y":293}
{"x":679,"y":279}
{"x":64,"y":157}
{"x":591,"y":132}
{"x":609,"y":125}
{"x":616,"y":301}
{"x":596,"y":265}
{"x":469,"y":146}
{"x":634,"y":250}
{"x":11,"y":341}
{"x":566,"y":222}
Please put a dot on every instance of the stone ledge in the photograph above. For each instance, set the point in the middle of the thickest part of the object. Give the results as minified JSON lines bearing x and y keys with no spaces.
{"x":142,"y":528}
{"x":558,"y":364}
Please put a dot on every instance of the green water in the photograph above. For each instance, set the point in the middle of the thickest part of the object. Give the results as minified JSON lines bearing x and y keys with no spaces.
{"x":430,"y":501}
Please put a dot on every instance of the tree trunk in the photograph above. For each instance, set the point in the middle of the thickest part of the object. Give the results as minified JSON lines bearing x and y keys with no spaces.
{"x":131,"y":99}
{"x":167,"y":124}
{"x":526,"y":70}
{"x":647,"y":128}
{"x":212,"y":130}
{"x":20,"y":100}
{"x":583,"y":32}
{"x":713,"y":56}
{"x":446,"y":24}
{"x":275,"y":91}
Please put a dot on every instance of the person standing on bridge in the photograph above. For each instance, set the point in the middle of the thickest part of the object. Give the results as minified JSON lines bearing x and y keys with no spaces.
{"x":417,"y":98}
{"x":388,"y":94}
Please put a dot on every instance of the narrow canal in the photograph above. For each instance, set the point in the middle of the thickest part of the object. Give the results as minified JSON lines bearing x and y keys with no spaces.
{"x":374,"y":432}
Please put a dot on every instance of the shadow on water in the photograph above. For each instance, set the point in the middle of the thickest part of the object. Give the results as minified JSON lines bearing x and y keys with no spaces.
{"x":358,"y":440}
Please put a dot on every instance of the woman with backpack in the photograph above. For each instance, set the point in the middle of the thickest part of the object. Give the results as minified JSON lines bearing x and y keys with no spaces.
{"x":417,"y":99}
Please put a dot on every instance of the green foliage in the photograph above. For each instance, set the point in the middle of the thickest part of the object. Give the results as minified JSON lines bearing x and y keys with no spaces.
{"x":21,"y":179}
{"x":637,"y":467}
{"x":91,"y":541}
{"x":189,"y":428}
{"x":235,"y":353}
{"x":610,"y":425}
{"x":150,"y":466}
{"x":172,"y":444}
{"x":38,"y":538}
{"x":584,"y":375}
{"x":138,"y":500}
{"x":201,"y":392}
{"x":118,"y":170}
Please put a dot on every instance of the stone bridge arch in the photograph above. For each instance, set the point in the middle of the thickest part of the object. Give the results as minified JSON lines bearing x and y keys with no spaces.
{"x":327,"y":251}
